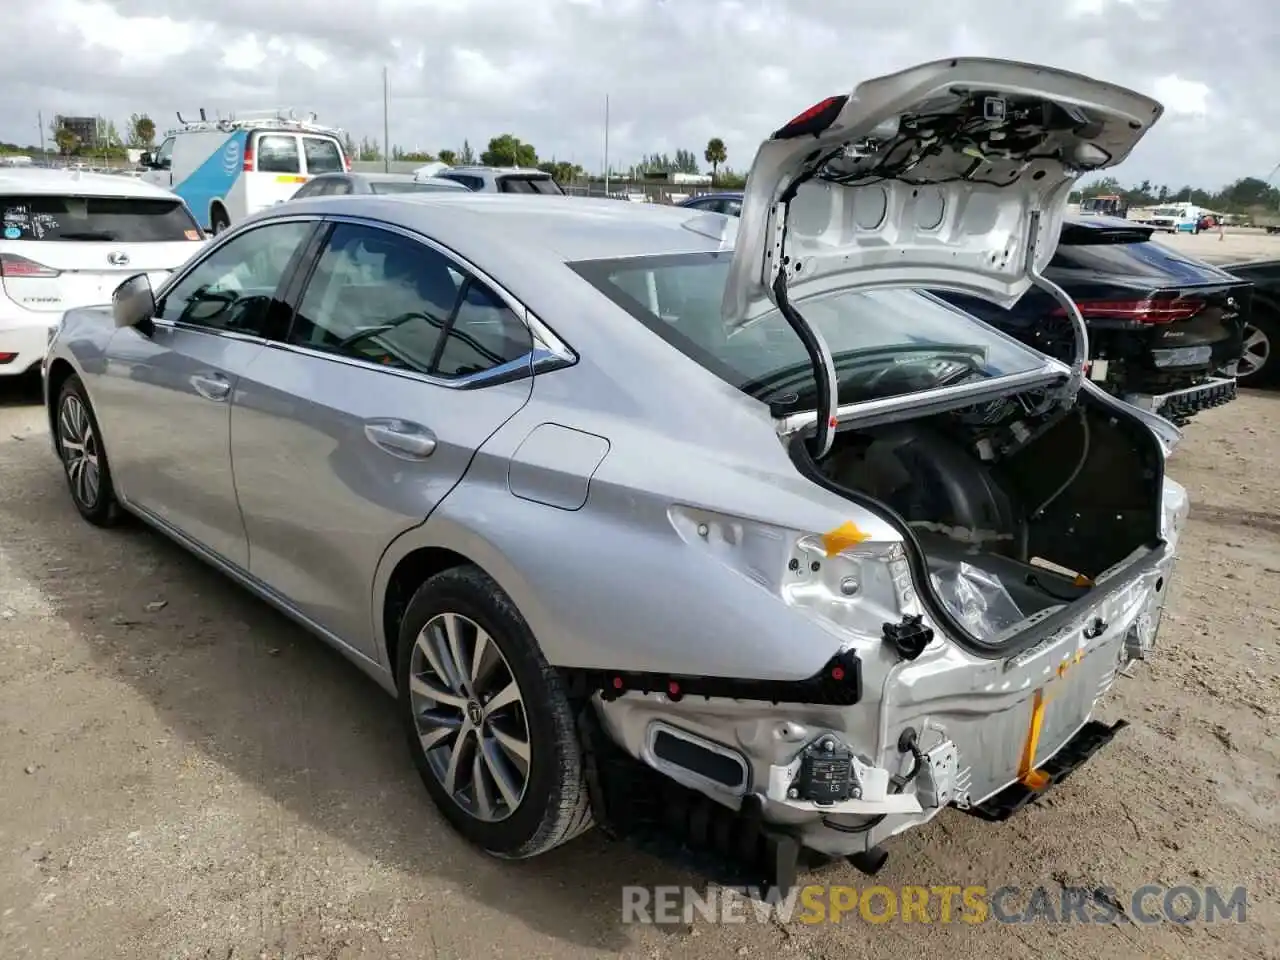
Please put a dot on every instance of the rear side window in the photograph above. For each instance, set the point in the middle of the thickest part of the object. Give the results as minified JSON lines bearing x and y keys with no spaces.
{"x":543,"y":185}
{"x":323,"y":155}
{"x":471,"y":183}
{"x":1120,"y":254}
{"x":113,"y":219}
{"x":278,"y":153}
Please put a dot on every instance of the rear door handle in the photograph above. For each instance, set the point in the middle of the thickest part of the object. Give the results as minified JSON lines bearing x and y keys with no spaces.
{"x":401,"y":438}
{"x":211,"y":386}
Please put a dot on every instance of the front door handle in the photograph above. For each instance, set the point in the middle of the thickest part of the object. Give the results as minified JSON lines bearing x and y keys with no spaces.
{"x":211,"y":386}
{"x":401,"y":438}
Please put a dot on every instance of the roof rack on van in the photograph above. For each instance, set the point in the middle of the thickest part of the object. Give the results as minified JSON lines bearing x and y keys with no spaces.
{"x":273,"y":117}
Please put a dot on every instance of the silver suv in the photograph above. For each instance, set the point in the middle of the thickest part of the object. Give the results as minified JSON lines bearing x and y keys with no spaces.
{"x":503,"y":179}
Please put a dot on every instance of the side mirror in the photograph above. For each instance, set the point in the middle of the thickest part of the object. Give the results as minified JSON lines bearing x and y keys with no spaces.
{"x":133,"y":304}
{"x":147,"y":160}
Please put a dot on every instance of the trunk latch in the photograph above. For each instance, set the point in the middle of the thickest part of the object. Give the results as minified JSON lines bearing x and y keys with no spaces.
{"x":910,"y":637}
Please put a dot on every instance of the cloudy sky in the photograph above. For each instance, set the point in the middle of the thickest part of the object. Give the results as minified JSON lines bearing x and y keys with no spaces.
{"x":677,"y":72}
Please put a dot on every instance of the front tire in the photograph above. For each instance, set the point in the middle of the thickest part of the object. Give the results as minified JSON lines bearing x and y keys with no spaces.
{"x":489,"y":725}
{"x":84,"y":458}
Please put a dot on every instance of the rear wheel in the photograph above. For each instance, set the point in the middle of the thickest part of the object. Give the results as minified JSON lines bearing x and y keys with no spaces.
{"x":489,"y":725}
{"x":84,"y":459}
{"x":1258,"y":366}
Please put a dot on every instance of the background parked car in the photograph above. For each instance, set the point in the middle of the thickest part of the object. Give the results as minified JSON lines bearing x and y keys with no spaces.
{"x":503,"y":180}
{"x":1258,"y":366}
{"x":1161,"y":324}
{"x":68,"y":238}
{"x":341,"y":184}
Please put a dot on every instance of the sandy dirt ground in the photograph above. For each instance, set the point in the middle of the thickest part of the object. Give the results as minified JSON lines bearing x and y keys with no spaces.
{"x":184,"y":774}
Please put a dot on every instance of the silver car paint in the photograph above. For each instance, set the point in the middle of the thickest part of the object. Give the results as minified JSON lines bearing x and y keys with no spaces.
{"x":628,"y":580}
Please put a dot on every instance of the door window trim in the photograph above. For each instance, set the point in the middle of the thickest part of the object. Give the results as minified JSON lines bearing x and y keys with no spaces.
{"x":549,"y":351}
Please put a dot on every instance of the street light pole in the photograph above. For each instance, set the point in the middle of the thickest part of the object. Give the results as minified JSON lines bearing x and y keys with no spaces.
{"x":606,"y":145}
{"x":386,"y":122}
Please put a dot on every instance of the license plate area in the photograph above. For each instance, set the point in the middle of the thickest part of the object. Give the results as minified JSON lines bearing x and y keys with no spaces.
{"x":1087,"y":741}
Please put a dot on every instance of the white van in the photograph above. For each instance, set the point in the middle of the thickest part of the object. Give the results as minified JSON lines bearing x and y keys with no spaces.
{"x":228,"y":169}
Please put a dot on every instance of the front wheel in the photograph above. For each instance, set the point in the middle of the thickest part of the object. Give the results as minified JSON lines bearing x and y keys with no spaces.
{"x":490,"y":728}
{"x":84,"y":458}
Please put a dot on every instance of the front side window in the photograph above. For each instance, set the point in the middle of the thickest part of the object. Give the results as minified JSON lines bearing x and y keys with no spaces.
{"x":164,"y":156}
{"x":102,"y":219}
{"x":278,"y":153}
{"x":885,"y":342}
{"x":470,"y":182}
{"x":323,"y":155}
{"x":526,"y":184}
{"x":234,"y":287}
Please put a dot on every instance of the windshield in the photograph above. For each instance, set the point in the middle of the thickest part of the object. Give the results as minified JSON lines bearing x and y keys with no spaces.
{"x":114,"y":219}
{"x":885,"y":343}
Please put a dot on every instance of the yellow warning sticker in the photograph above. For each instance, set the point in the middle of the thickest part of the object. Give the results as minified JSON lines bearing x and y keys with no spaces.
{"x":843,"y":537}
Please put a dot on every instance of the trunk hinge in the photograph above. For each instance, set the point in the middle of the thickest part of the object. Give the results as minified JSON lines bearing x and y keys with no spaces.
{"x":1080,"y":357}
{"x":815,"y":345}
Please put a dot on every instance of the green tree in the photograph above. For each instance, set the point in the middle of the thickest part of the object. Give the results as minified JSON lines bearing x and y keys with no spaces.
{"x":467,"y":156}
{"x":66,"y":140}
{"x":142,"y":131}
{"x":369,"y":150}
{"x":509,"y":150}
{"x":715,"y":154}
{"x":449,"y":157}
{"x":561,"y":170}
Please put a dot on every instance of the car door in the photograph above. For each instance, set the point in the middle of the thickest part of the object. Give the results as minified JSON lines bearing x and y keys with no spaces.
{"x":164,"y":397}
{"x":396,"y":367}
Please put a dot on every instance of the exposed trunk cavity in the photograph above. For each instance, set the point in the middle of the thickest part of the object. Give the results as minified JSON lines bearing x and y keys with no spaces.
{"x":1009,"y":509}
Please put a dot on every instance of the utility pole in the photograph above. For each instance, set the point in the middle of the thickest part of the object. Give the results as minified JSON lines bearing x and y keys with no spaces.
{"x":386,"y":121}
{"x":40,"y":124}
{"x":606,"y":144}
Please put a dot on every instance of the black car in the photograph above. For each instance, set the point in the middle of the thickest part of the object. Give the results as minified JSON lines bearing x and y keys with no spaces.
{"x":1161,"y":325}
{"x":1259,"y":366}
{"x":341,"y":184}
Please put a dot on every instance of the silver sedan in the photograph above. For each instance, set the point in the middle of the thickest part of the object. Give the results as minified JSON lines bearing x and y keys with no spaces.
{"x":662,"y":518}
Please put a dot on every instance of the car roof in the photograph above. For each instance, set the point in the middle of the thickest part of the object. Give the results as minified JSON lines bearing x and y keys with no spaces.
{"x":480,"y":168}
{"x":486,"y":227}
{"x":43,"y":181}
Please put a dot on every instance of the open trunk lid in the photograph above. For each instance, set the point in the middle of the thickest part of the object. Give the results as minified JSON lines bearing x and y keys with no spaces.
{"x":945,"y":175}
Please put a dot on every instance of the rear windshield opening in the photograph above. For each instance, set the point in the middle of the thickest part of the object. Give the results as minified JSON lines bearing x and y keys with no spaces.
{"x":544,"y":185}
{"x":884,"y":343}
{"x":113,"y":219}
{"x":323,"y":155}
{"x":278,"y":154}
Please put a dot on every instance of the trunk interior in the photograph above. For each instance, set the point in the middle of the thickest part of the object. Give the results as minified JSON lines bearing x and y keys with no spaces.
{"x":1013,"y":508}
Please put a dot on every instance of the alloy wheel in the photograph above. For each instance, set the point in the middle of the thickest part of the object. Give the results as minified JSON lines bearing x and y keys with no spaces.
{"x":470,"y":717}
{"x":1257,"y":351}
{"x":80,"y":451}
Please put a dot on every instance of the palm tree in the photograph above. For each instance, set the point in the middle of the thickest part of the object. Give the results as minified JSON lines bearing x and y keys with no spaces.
{"x":715,"y":154}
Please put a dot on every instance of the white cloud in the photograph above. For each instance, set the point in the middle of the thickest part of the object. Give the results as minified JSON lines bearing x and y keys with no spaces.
{"x":676,"y":74}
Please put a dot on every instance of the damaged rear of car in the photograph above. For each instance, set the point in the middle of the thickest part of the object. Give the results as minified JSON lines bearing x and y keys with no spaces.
{"x":1007,"y":531}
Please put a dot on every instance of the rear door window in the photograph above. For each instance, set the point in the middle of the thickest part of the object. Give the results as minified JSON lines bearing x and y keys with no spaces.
{"x":278,"y":153}
{"x":108,"y":219}
{"x":323,"y":155}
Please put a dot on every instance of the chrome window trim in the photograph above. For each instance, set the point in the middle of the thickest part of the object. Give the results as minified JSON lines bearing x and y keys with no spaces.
{"x":549,"y":351}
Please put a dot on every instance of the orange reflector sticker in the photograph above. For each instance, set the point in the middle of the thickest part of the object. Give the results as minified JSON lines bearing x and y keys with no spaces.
{"x":843,"y":537}
{"x":1028,"y":775}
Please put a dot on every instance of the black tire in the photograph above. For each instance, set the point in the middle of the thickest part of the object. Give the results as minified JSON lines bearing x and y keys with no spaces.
{"x":1266,"y":322}
{"x":219,"y":221}
{"x":555,"y":805}
{"x":96,"y":503}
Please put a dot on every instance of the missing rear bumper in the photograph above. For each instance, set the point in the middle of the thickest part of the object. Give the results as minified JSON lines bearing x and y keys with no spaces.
{"x":1088,"y":740}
